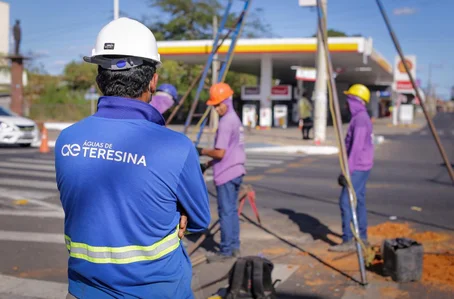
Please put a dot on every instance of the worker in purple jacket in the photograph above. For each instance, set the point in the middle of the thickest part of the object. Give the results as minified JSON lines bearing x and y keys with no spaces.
{"x":228,"y":168}
{"x":360,"y":150}
{"x":166,"y":96}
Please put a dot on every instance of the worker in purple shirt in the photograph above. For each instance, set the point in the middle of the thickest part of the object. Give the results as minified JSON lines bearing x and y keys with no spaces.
{"x":166,"y":96}
{"x":228,"y":168}
{"x":360,"y":151}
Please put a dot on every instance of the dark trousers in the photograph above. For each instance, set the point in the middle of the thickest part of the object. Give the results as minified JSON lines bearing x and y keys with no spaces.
{"x":228,"y":215}
{"x":359,"y":180}
{"x":307,"y":126}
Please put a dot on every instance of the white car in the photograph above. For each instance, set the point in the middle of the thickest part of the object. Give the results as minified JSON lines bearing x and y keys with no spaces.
{"x":15,"y":129}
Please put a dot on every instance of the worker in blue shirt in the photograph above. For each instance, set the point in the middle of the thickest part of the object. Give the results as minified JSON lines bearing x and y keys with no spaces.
{"x":126,"y":182}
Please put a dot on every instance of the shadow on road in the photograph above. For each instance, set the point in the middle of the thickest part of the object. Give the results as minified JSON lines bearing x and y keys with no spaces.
{"x":335,"y":203}
{"x":310,"y":225}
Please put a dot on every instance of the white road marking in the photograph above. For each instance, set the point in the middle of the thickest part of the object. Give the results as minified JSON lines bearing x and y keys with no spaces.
{"x":27,"y":166}
{"x":38,"y":214}
{"x":32,"y":237}
{"x":32,"y":161}
{"x":264,"y":161}
{"x":31,"y":288}
{"x":41,"y":174}
{"x":24,"y":194}
{"x":28,"y":183}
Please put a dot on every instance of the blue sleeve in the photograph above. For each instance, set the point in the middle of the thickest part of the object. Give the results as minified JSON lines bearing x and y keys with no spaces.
{"x":192,"y":193}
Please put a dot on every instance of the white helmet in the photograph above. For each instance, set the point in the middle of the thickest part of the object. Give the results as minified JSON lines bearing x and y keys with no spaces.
{"x":128,"y":39}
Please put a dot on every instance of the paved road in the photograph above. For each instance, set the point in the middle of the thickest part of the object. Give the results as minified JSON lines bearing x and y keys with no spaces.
{"x":301,"y":189}
{"x":31,"y":222}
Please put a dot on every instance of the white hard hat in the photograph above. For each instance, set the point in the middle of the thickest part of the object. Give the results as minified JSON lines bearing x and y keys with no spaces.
{"x":128,"y":39}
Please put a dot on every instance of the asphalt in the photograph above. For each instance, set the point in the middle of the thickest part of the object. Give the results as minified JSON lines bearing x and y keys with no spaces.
{"x":297,"y":197}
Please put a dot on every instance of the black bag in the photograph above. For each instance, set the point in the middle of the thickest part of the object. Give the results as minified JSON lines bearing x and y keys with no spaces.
{"x":250,"y":277}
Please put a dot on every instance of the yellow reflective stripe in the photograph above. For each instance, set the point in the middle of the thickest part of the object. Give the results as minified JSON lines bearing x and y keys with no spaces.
{"x":124,"y":261}
{"x":125,"y":254}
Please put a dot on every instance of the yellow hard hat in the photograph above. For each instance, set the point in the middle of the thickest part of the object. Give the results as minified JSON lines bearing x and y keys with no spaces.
{"x":360,"y":91}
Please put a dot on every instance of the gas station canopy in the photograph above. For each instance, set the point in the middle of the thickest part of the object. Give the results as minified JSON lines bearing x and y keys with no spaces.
{"x":354,"y":58}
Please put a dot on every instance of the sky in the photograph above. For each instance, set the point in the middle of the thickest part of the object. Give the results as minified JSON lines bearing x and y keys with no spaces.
{"x":58,"y":32}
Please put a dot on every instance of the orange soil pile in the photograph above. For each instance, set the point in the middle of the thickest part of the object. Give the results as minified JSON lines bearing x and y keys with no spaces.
{"x":439,"y":268}
{"x":429,"y":237}
{"x":389,"y":230}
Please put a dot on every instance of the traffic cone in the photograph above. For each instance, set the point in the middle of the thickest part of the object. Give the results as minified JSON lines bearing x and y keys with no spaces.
{"x":44,"y":148}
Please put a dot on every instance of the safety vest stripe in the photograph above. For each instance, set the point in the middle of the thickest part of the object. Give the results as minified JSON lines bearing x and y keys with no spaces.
{"x":123,"y":255}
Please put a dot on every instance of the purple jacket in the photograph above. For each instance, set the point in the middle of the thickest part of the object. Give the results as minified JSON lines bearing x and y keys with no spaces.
{"x":359,"y":139}
{"x":162,"y":101}
{"x":230,"y":137}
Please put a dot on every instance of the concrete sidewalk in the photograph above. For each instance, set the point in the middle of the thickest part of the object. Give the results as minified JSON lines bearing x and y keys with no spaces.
{"x":280,"y":140}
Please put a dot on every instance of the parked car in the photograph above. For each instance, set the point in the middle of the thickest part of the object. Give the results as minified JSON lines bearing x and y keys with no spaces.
{"x":15,"y":129}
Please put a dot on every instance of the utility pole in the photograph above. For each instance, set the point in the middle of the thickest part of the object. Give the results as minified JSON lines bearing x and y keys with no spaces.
{"x":116,"y":9}
{"x":214,"y":117}
{"x":320,"y":113}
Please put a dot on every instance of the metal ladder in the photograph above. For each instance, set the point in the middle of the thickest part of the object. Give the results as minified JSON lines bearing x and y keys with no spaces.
{"x":225,"y":62}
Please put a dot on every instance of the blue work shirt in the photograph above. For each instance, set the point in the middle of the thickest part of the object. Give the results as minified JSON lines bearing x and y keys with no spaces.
{"x":123,"y":179}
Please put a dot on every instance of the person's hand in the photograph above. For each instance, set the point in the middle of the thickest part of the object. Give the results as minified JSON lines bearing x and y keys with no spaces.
{"x":342,"y":181}
{"x":199,"y":150}
{"x":183,"y":225}
{"x":203,"y":167}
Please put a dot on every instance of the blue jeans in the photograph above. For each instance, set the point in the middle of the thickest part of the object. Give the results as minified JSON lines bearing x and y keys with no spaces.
{"x":359,"y":180}
{"x":228,"y":215}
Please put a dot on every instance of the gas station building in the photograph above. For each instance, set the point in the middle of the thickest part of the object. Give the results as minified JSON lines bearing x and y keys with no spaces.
{"x":273,"y":61}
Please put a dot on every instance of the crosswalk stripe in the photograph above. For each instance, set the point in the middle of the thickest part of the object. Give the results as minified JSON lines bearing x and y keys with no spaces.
{"x":274,"y":156}
{"x":24,"y":194}
{"x":27,"y":166}
{"x":13,"y":287}
{"x":32,"y":161}
{"x":264,"y":161}
{"x":257,"y":164}
{"x":34,"y":213}
{"x":28,"y":183}
{"x":32,"y":237}
{"x":41,"y":174}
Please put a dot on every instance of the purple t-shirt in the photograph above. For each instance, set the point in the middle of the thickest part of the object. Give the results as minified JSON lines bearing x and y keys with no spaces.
{"x":162,"y":102}
{"x":230,"y":137}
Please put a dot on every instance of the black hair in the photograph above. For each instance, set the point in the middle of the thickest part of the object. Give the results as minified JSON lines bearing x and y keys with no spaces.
{"x":129,"y":83}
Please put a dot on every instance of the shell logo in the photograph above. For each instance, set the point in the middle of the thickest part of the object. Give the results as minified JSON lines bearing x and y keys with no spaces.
{"x":401,"y":66}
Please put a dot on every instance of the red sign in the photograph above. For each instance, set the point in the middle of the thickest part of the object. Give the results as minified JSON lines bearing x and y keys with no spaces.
{"x":280,"y":90}
{"x":404,"y":85}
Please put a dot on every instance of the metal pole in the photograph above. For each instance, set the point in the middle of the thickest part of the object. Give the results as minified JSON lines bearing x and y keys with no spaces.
{"x":320,"y":113}
{"x":343,"y":151}
{"x":205,"y":71}
{"x":214,"y":117}
{"x":423,"y":105}
{"x":116,"y":9}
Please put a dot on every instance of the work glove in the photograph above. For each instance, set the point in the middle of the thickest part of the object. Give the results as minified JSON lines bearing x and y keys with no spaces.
{"x":199,"y":150}
{"x":342,"y":181}
{"x":203,"y":167}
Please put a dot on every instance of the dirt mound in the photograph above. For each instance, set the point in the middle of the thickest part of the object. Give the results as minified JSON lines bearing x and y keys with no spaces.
{"x":439,"y":269}
{"x":390,"y":230}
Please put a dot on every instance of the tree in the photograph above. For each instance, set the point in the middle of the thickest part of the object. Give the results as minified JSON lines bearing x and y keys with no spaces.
{"x":80,"y":75}
{"x":193,"y":19}
{"x":333,"y":33}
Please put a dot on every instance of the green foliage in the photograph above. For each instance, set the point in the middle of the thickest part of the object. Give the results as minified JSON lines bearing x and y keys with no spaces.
{"x":61,"y":98}
{"x":335,"y":33}
{"x":80,"y":75}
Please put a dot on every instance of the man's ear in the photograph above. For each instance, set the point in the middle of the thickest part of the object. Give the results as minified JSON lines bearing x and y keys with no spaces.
{"x":154,"y":83}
